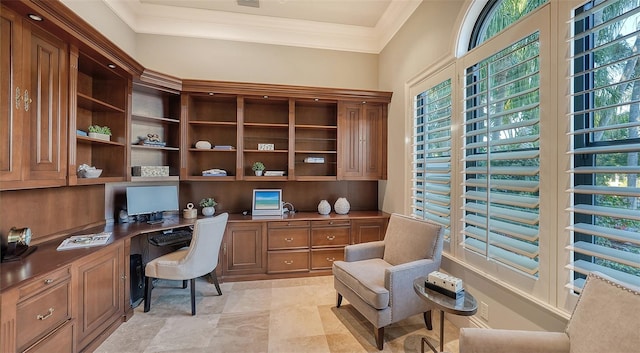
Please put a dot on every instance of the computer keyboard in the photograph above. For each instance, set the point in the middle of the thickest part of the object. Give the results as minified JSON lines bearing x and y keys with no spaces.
{"x":175,"y":237}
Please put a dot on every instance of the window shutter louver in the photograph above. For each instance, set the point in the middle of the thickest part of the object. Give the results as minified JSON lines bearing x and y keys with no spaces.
{"x":606,"y":142}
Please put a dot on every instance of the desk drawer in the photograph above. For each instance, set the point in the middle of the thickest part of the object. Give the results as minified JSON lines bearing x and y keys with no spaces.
{"x":288,"y":261}
{"x":288,"y":224}
{"x":49,"y":281}
{"x":60,"y":341}
{"x":40,"y":314}
{"x":331,"y":223}
{"x":330,"y":236}
{"x":323,"y":259}
{"x":288,"y":238}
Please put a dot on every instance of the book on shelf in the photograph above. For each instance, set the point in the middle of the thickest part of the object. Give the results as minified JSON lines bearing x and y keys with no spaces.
{"x":223,"y":147}
{"x":318,"y":160}
{"x":214,"y":172}
{"x":85,"y":241}
{"x":273,"y":173}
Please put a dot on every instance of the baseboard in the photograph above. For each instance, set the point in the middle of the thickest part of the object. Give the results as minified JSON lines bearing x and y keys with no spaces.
{"x":466,"y":321}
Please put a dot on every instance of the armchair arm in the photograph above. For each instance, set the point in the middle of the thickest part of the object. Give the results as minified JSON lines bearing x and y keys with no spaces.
{"x":475,"y":340}
{"x":364,"y":251}
{"x":399,"y":281}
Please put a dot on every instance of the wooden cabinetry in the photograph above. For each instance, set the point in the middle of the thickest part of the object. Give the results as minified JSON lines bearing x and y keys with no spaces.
{"x":244,"y":249}
{"x":288,"y":246}
{"x":33,"y":131}
{"x":366,"y":230}
{"x":36,"y":311}
{"x":155,"y":110}
{"x":328,"y":239}
{"x":211,"y":118}
{"x":316,"y":139}
{"x":101,"y":96}
{"x":363,"y":141}
{"x":100,"y":279}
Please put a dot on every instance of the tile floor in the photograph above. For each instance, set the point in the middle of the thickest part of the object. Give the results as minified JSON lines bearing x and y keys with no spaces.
{"x":275,"y":316}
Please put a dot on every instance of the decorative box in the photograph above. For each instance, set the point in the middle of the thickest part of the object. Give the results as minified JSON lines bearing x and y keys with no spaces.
{"x":150,"y":170}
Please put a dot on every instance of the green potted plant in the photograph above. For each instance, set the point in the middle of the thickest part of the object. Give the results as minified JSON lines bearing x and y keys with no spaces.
{"x":258,"y":168}
{"x":100,"y":132}
{"x":208,"y":206}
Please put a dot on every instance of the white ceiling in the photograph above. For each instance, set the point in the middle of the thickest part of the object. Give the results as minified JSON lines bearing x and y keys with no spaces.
{"x":350,"y":25}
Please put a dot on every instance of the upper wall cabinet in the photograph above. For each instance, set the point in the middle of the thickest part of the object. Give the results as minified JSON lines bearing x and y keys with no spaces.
{"x":298,"y":133}
{"x":155,"y":128}
{"x":102,"y":98}
{"x":33,"y":131}
{"x":363,"y":140}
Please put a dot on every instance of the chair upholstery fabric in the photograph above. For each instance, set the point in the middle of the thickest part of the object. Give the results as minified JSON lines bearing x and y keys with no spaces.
{"x":377,"y":277}
{"x":604,"y":320}
{"x":198,"y":259}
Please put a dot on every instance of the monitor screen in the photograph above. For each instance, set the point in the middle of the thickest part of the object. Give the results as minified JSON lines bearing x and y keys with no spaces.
{"x":152,"y":200}
{"x":267,"y":202}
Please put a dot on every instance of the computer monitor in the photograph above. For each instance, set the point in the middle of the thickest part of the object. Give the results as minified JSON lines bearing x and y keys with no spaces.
{"x":267,"y":202}
{"x":152,"y":201}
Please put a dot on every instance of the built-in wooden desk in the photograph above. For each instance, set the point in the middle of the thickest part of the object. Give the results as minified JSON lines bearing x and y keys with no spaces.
{"x":76,"y":298}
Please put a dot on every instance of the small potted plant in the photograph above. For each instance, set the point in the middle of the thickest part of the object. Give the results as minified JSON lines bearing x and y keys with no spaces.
{"x":208,"y":206}
{"x":100,"y":132}
{"x":258,"y":168}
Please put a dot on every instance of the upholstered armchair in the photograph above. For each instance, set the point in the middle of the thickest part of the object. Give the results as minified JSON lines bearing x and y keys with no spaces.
{"x":189,"y":263}
{"x":605,"y":319}
{"x":377,"y":277}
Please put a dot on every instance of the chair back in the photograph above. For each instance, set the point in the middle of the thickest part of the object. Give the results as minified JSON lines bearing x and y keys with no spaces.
{"x":605,"y":318}
{"x":204,"y":249}
{"x":408,"y":239}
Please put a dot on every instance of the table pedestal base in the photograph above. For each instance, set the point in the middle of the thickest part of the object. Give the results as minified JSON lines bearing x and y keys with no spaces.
{"x":425,"y":340}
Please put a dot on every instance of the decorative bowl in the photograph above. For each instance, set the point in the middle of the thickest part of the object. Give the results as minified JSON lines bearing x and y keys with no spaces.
{"x":89,"y":173}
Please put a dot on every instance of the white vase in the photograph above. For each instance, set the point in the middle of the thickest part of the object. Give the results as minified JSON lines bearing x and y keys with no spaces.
{"x":99,"y":136}
{"x":258,"y":172}
{"x":324,"y":207}
{"x":208,"y":211}
{"x":342,"y":206}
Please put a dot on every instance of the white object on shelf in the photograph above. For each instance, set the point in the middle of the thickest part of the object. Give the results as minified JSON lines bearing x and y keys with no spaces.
{"x":100,"y":136}
{"x":342,"y":206}
{"x":445,"y":281}
{"x":324,"y":208}
{"x":85,"y":241}
{"x":318,"y":160}
{"x":203,"y":145}
{"x":86,"y":171}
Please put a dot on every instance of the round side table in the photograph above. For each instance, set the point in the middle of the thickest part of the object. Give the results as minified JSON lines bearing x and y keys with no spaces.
{"x":465,"y":305}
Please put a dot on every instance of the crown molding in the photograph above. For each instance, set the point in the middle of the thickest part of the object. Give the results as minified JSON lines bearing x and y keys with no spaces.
{"x":187,"y":22}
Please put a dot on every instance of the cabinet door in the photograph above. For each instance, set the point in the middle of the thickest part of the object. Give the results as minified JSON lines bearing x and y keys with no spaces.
{"x":10,"y":96}
{"x":363,"y":137}
{"x":100,"y":297}
{"x":366,"y":230}
{"x":45,"y":106}
{"x":244,"y":249}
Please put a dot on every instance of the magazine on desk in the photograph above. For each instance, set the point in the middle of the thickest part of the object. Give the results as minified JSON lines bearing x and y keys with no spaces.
{"x":85,"y":241}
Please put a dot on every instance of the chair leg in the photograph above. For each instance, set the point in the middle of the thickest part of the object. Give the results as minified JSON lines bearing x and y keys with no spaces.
{"x":339,"y":300}
{"x":193,"y":296}
{"x":184,"y":284}
{"x":427,"y":320}
{"x":214,"y":278}
{"x":379,"y":334}
{"x":148,"y":286}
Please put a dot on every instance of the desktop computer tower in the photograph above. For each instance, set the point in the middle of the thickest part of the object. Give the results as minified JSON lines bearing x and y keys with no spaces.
{"x":137,"y":280}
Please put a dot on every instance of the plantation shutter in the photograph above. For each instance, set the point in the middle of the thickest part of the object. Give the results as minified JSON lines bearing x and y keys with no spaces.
{"x":501,"y":156}
{"x":431,"y":179}
{"x":606,"y":142}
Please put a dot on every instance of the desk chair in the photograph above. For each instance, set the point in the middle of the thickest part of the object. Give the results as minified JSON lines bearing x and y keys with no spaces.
{"x":377,"y":277}
{"x":189,"y":263}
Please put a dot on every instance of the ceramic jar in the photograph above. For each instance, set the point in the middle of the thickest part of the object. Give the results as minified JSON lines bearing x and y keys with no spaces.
{"x":324,"y":207}
{"x":208,"y":211}
{"x":189,"y":212}
{"x":342,"y":206}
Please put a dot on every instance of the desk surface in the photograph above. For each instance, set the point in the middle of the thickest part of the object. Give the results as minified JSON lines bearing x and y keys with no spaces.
{"x":466,"y":306}
{"x":46,"y":258}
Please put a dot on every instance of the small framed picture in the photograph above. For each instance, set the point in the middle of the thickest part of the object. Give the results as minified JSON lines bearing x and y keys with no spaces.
{"x":265,"y":147}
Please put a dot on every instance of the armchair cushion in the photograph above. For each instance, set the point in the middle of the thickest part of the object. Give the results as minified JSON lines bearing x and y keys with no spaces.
{"x":407,"y":241}
{"x":366,"y":278}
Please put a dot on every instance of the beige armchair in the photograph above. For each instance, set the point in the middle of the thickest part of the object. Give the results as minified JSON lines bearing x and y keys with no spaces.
{"x":377,"y":277}
{"x":605,"y":319}
{"x":189,"y":263}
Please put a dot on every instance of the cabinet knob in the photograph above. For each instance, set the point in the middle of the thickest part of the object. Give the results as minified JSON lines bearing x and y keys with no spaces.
{"x":27,"y":100}
{"x":45,"y":316}
{"x":288,"y":262}
{"x":289,"y":240}
{"x":331,"y":237}
{"x":18,"y":98}
{"x":48,"y":281}
{"x":331,"y":259}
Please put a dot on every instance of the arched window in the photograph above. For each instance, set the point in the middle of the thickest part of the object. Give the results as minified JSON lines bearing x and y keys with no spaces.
{"x":498,"y":15}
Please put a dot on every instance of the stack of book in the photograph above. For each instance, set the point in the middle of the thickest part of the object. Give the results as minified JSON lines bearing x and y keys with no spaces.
{"x":314,"y":160}
{"x":273,"y":173}
{"x":214,"y":172}
{"x":223,"y":147}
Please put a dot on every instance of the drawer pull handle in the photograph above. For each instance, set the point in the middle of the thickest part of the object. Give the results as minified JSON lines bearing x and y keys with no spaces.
{"x":48,"y":281}
{"x":288,"y":262}
{"x":288,"y":240}
{"x":331,"y":259}
{"x":46,"y":316}
{"x":331,"y":237}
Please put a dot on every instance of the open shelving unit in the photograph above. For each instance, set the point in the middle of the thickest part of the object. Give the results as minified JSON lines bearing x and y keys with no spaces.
{"x":316,"y":139}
